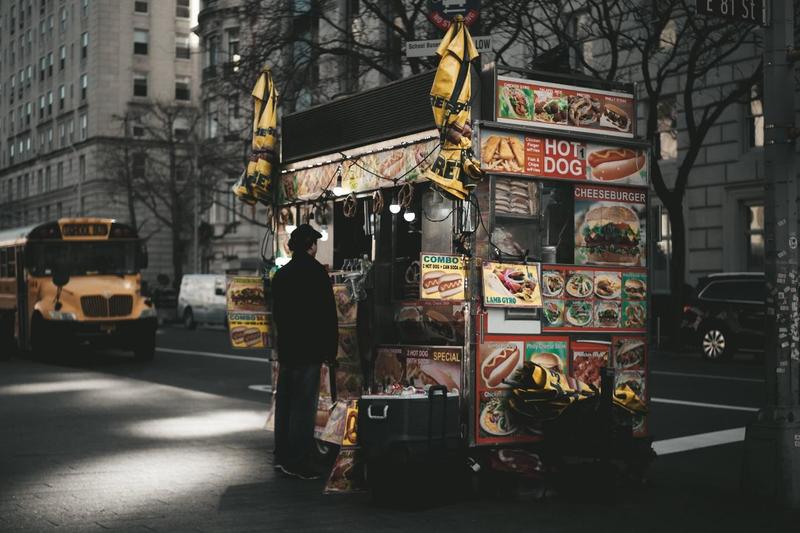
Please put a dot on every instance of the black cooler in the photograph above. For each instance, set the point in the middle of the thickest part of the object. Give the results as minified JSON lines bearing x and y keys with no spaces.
{"x":411,"y":444}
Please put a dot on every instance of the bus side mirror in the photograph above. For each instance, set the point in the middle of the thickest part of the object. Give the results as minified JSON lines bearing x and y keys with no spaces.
{"x":60,"y":278}
{"x":141,"y":257}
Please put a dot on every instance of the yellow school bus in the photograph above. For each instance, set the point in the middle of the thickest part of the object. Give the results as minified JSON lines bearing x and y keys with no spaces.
{"x":73,"y":281}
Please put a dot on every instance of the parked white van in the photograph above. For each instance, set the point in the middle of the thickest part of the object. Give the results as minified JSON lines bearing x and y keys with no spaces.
{"x":202,"y":300}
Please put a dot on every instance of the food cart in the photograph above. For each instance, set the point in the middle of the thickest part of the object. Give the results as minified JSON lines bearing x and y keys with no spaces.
{"x":546,"y":262}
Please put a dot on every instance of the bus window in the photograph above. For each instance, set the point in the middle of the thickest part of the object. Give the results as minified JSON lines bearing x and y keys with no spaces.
{"x":3,"y":267}
{"x":83,"y":258}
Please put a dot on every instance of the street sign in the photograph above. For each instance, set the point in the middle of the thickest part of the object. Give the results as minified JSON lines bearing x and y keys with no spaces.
{"x":752,"y":11}
{"x":442,"y":12}
{"x":428,"y":48}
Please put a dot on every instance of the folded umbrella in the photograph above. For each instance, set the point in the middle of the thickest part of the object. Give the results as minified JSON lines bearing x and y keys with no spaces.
{"x":450,"y":100}
{"x":255,"y":184}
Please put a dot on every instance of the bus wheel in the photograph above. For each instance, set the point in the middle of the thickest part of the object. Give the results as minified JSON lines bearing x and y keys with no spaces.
{"x":145,"y":350}
{"x":8,"y":345}
{"x":188,"y":319}
{"x":41,"y":338}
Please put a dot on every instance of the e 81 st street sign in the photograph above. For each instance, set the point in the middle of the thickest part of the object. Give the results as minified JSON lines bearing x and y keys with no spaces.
{"x":752,"y":11}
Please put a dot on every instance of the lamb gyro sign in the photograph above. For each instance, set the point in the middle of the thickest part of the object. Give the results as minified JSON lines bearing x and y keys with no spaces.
{"x":564,"y":107}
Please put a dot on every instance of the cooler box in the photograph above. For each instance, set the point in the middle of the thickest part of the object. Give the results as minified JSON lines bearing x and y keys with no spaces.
{"x":415,"y":422}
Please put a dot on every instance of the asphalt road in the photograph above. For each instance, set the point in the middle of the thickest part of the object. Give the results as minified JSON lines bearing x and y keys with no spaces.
{"x":100,"y":442}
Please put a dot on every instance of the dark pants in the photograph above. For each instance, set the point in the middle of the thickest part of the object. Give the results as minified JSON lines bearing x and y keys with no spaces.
{"x":295,"y":412}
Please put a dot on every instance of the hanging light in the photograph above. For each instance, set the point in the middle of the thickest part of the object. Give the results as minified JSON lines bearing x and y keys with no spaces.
{"x":409,"y":216}
{"x":394,"y":207}
{"x":338,"y":190}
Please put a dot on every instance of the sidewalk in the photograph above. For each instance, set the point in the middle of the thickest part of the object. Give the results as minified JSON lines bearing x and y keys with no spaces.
{"x":85,"y":451}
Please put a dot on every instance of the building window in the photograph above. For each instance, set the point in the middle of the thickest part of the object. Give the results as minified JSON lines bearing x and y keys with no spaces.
{"x":50,"y":24}
{"x":62,"y":135}
{"x":84,"y":45}
{"x":140,"y":39}
{"x":183,"y":88}
{"x":182,"y":46}
{"x":62,"y":57}
{"x":71,"y":132}
{"x":754,"y":236}
{"x":755,"y":118}
{"x":41,"y":107}
{"x":49,"y":102}
{"x":182,"y":9}
{"x":40,"y":182}
{"x":84,"y":86}
{"x":42,"y":67}
{"x":47,"y":179}
{"x":60,"y":175}
{"x":62,"y":95}
{"x":138,"y":165}
{"x":84,"y":8}
{"x":662,"y":249}
{"x":50,"y":64}
{"x":63,"y":24}
{"x":84,"y":126}
{"x":212,"y":49}
{"x":140,"y":84}
{"x":29,"y":71}
{"x":50,"y":138}
{"x":668,"y":128}
{"x":140,"y":6}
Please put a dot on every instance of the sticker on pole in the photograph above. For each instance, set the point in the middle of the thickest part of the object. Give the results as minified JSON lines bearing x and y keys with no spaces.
{"x":442,"y":12}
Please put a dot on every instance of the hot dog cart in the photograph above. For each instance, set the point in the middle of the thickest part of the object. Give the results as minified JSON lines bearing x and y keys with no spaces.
{"x":543,"y":265}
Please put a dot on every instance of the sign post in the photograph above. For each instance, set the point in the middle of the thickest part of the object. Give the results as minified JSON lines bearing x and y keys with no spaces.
{"x":772,"y":442}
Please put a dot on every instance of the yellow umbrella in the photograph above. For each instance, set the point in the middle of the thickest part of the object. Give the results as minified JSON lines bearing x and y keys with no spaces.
{"x":450,"y":100}
{"x":255,"y":184}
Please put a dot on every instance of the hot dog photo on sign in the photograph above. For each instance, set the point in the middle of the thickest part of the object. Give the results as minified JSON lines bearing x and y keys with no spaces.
{"x":617,"y":165}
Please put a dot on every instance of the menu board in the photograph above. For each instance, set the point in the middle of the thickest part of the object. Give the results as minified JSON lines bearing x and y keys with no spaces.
{"x":587,"y":358}
{"x":565,"y":107}
{"x":498,"y":359}
{"x":552,"y":158}
{"x":578,"y":298}
{"x":511,"y":285}
{"x":637,"y":381}
{"x":248,"y":323}
{"x":417,"y":366}
{"x":610,"y":226}
{"x":442,"y":277}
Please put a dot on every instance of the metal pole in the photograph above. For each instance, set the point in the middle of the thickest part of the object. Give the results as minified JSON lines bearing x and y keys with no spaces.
{"x":772,"y":442}
{"x":196,"y":209}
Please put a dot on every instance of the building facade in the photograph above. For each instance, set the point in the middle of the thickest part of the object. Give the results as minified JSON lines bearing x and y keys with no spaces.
{"x":69,"y":70}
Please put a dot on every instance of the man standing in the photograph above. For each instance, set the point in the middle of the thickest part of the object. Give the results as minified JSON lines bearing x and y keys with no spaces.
{"x":306,"y":323}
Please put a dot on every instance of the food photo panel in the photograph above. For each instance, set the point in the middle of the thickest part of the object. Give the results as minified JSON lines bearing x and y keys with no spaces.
{"x":610,"y":226}
{"x":588,"y":357}
{"x":511,"y":285}
{"x":552,"y":354}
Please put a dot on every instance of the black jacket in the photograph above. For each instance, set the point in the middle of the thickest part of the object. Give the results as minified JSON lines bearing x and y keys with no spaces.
{"x":304,"y":312}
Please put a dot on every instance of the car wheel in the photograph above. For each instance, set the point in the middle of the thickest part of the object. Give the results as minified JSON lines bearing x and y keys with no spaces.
{"x":715,"y":343}
{"x":188,"y":319}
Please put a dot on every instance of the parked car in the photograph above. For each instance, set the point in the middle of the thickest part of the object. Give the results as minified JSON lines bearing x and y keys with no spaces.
{"x":202,"y":300}
{"x":727,"y":313}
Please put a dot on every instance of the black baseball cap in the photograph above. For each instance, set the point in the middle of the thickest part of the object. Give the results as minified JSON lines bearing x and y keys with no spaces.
{"x":303,"y":237}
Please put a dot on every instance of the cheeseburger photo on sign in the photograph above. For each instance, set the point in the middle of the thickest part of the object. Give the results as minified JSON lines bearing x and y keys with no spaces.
{"x":609,"y":226}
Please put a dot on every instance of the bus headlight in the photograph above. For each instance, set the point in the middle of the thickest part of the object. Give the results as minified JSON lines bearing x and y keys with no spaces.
{"x":148,"y":312}
{"x":61,"y":315}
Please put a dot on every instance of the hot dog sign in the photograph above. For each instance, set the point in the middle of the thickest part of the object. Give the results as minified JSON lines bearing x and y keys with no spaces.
{"x":550,"y":157}
{"x":442,"y":277}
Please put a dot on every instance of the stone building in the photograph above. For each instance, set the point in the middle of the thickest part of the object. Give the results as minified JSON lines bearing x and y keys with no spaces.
{"x":69,"y":69}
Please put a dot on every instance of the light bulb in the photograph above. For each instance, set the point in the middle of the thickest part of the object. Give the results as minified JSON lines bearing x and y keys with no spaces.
{"x":324,"y":232}
{"x":290,"y":228}
{"x":409,"y":216}
{"x":394,"y":208}
{"x":338,"y":190}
